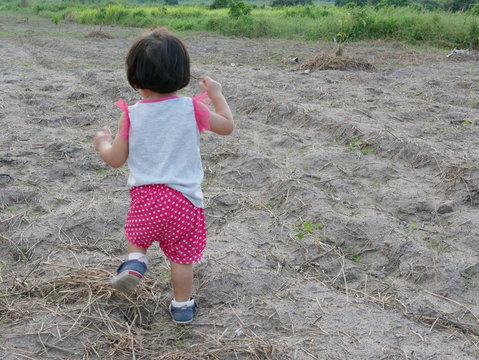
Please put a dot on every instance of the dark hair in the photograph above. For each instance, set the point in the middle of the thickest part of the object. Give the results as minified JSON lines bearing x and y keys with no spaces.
{"x":158,"y":61}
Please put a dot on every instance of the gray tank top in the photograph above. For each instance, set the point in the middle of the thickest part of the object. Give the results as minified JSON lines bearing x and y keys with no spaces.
{"x":164,"y":146}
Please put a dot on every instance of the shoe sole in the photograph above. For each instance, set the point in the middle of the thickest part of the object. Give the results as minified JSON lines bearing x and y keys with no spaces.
{"x":126,"y":281}
{"x":179,"y":323}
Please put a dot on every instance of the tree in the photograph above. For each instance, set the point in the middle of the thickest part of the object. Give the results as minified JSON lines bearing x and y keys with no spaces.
{"x":350,"y":3}
{"x":430,"y":4}
{"x":239,"y":8}
{"x":394,"y":3}
{"x":291,"y":2}
{"x":459,"y":5}
{"x":24,"y":4}
{"x":219,"y":4}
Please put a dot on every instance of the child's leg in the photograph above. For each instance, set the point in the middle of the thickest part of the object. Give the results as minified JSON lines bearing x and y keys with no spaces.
{"x":137,"y":253}
{"x":130,"y":272}
{"x":182,"y":281}
{"x":183,"y":306}
{"x":133,"y":248}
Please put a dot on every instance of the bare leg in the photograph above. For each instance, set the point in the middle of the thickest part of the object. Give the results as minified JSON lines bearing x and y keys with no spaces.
{"x":130,"y":273}
{"x":182,"y":280}
{"x":134,"y":248}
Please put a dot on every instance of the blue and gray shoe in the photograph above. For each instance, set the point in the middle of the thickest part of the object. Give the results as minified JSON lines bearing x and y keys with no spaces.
{"x":128,"y":275}
{"x":183,"y":315}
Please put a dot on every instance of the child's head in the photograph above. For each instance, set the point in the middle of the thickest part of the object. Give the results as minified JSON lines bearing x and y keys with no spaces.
{"x":158,"y":61}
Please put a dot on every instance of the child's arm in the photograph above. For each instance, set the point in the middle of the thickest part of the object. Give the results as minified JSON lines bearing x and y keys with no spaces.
{"x":221,"y":122}
{"x":114,"y":154}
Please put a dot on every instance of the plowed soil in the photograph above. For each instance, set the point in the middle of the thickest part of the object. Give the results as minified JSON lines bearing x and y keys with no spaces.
{"x":342,"y":213}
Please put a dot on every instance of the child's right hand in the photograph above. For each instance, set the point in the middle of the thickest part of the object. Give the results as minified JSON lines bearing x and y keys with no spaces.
{"x":212,"y":87}
{"x":221,"y":122}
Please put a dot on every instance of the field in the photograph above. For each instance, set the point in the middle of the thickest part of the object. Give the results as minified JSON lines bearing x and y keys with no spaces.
{"x":413,"y":24}
{"x":342,"y":213}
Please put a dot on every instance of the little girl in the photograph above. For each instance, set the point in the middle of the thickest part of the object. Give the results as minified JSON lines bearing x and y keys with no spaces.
{"x":160,"y":138}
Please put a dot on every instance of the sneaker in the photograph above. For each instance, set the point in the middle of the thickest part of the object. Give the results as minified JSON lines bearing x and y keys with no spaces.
{"x":183,"y":315}
{"x":128,"y":275}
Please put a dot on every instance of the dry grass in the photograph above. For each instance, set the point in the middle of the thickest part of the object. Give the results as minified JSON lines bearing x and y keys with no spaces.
{"x":472,"y":56}
{"x":99,"y":34}
{"x":87,"y":318}
{"x":331,"y":62}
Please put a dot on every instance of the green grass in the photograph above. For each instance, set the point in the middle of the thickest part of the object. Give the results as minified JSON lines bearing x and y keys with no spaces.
{"x":305,"y":228}
{"x":316,"y":22}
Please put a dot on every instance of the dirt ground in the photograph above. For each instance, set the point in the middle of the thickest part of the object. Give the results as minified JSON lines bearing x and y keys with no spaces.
{"x":342,"y":213}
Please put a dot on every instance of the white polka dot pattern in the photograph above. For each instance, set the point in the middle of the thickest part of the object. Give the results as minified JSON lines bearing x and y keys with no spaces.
{"x":159,"y":213}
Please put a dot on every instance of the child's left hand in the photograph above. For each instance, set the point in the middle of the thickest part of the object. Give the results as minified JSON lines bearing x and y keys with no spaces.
{"x":102,"y":137}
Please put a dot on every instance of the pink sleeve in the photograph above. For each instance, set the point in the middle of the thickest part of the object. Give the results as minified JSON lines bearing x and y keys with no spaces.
{"x":125,"y":128}
{"x":202,"y":112}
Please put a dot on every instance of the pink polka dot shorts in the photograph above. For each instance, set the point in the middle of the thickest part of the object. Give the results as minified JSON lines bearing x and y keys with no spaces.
{"x":159,"y":213}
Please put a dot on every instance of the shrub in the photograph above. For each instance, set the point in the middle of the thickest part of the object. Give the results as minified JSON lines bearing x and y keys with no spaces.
{"x":219,"y":4}
{"x":472,"y":37}
{"x":24,"y":4}
{"x":430,"y":4}
{"x":214,"y":25}
{"x":458,"y":5}
{"x":38,"y":8}
{"x":354,"y":25}
{"x":474,"y":10}
{"x":238,"y":9}
{"x":139,"y":13}
{"x":349,"y":3}
{"x":305,"y":12}
{"x":57,"y":19}
{"x":87,"y":16}
{"x":182,"y":26}
{"x":276,"y":3}
{"x":394,"y":3}
{"x":115,"y":13}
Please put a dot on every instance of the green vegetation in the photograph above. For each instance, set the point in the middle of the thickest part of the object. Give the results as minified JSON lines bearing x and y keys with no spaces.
{"x":439,"y":245}
{"x":291,"y":2}
{"x":219,"y":4}
{"x":353,"y":253}
{"x":305,"y":228}
{"x":357,"y":143}
{"x":427,"y":22}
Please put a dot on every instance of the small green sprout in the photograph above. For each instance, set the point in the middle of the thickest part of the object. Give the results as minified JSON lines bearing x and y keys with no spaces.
{"x":305,"y":227}
{"x":359,"y":144}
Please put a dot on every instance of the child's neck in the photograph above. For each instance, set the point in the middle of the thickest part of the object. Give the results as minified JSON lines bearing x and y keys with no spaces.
{"x":150,"y":95}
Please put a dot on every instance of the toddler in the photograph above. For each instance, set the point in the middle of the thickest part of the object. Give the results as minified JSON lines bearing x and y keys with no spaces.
{"x":160,"y":138}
